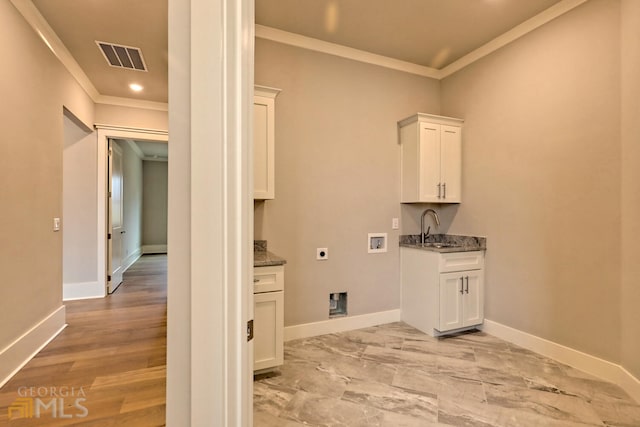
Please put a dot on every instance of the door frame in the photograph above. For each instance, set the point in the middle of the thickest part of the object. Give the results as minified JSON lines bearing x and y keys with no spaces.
{"x":104,"y":133}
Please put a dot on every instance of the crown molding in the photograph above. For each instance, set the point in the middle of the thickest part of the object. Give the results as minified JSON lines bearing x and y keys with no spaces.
{"x":50,"y":38}
{"x":266,"y":91}
{"x":292,"y":39}
{"x":284,"y":37}
{"x":515,"y":33}
{"x":32,"y":15}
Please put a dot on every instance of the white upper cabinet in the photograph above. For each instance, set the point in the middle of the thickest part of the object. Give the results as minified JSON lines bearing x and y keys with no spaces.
{"x":431,"y":159}
{"x":264,"y":142}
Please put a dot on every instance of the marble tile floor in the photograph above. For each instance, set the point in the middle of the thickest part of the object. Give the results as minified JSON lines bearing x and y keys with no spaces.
{"x":394,"y":375}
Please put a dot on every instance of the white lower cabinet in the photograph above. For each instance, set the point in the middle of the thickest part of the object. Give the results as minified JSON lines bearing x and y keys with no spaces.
{"x":461,"y":302}
{"x":442,"y":292}
{"x":268,"y":317}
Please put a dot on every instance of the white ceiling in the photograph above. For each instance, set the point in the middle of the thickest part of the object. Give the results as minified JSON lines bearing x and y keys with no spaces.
{"x":429,"y":33}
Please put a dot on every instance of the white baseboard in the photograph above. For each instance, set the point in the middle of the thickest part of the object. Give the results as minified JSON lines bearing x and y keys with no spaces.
{"x":340,"y":324}
{"x":585,"y":362}
{"x":17,"y":354}
{"x":128,"y":262}
{"x":82,"y":290}
{"x":154,"y":249}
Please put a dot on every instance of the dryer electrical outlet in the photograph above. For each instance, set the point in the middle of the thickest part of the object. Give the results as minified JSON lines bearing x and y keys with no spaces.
{"x":322,"y":254}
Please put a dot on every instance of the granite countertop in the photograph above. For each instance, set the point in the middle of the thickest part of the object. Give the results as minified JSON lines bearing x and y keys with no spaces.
{"x":262,"y":257}
{"x":444,"y":243}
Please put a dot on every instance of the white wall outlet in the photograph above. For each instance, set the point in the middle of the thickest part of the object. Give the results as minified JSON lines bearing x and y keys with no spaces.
{"x":322,"y":254}
{"x":395,"y":223}
{"x":56,"y":224}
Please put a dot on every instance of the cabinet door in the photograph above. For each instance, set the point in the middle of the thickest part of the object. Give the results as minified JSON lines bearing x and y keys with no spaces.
{"x":263,"y":148}
{"x":429,"y":162}
{"x":450,"y":162}
{"x":268,"y":330}
{"x":451,"y":288}
{"x":473,"y":301}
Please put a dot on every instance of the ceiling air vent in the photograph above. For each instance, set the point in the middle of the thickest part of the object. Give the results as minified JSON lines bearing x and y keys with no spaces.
{"x":122,"y":56}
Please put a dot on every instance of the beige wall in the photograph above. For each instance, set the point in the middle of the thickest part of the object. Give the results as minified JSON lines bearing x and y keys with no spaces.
{"x":337,"y":176}
{"x":34,"y":88}
{"x":131,"y":117}
{"x":79,"y":205}
{"x":541,"y":178}
{"x":154,"y":206}
{"x":630,"y":54}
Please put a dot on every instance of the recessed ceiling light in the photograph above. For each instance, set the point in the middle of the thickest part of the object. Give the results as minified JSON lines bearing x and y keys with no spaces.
{"x":135,"y":87}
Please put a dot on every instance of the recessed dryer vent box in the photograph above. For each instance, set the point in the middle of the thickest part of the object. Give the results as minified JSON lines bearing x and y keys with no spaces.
{"x":338,"y":304}
{"x":377,"y":242}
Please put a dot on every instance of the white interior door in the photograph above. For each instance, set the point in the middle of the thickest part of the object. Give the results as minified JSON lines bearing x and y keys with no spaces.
{"x":116,"y":230}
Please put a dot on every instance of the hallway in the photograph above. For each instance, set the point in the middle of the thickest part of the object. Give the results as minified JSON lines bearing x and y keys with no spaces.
{"x":112,"y":353}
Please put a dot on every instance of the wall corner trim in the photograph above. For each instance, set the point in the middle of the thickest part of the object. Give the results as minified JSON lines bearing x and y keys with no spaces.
{"x":593,"y":365}
{"x":22,"y":350}
{"x":340,"y":324}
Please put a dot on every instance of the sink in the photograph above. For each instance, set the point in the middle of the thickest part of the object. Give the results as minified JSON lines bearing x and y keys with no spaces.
{"x":438,"y":245}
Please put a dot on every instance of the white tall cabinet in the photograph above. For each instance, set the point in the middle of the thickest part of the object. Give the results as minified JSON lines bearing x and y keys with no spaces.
{"x":442,"y":292}
{"x":264,"y":142}
{"x":431,"y":159}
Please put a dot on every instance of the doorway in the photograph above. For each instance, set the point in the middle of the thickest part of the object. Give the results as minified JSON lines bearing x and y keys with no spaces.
{"x":137,"y":201}
{"x":120,"y":199}
{"x":115,"y":215}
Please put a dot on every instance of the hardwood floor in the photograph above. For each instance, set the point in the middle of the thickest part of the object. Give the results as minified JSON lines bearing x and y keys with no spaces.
{"x":112,"y":353}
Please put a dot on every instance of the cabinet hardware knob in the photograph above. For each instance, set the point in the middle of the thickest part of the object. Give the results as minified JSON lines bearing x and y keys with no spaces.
{"x":467,"y":290}
{"x":444,"y":190}
{"x":461,"y":285}
{"x":256,"y":280}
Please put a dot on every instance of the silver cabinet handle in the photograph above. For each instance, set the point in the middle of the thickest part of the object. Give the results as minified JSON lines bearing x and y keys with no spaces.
{"x":467,"y":290}
{"x":444,"y":190}
{"x":461,"y":285}
{"x":439,"y":190}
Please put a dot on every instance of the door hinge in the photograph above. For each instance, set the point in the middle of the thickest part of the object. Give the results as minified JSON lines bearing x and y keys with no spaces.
{"x":108,"y":278}
{"x":110,"y":151}
{"x":249,"y":330}
{"x":108,"y":236}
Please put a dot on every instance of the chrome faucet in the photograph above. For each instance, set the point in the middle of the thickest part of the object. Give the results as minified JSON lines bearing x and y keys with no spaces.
{"x":424,"y":235}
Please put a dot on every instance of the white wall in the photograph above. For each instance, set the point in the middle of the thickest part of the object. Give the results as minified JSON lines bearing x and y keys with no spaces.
{"x":79,"y":211}
{"x":154,"y":205}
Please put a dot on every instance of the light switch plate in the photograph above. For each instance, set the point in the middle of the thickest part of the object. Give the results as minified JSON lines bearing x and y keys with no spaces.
{"x":56,"y":224}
